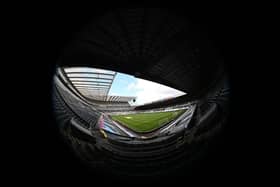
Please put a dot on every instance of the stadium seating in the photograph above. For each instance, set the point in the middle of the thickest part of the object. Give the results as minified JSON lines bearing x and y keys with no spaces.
{"x":125,"y":154}
{"x":73,"y":105}
{"x":152,"y":45}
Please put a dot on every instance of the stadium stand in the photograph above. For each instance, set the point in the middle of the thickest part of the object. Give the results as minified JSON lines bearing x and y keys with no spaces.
{"x":154,"y":45}
{"x":125,"y":154}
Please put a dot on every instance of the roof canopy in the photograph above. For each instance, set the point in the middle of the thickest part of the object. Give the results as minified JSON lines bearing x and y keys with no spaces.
{"x":94,"y":83}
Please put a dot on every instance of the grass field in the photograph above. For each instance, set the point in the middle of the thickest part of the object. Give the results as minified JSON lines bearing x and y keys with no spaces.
{"x":145,"y":122}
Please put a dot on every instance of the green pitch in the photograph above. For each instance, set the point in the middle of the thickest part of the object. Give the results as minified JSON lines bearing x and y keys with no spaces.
{"x":148,"y":121}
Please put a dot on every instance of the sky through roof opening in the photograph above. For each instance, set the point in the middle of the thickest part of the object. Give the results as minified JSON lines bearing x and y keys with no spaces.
{"x":110,"y":83}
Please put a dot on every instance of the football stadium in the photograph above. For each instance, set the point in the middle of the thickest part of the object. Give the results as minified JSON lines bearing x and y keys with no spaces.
{"x":138,"y":92}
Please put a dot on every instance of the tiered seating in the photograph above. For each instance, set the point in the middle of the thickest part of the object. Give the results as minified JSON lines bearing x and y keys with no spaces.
{"x":153,"y":45}
{"x":125,"y":156}
{"x":212,"y":110}
{"x":110,"y":106}
{"x":63,"y":114}
{"x":77,"y":108}
{"x":139,"y":157}
{"x":166,"y":103}
{"x":116,"y":107}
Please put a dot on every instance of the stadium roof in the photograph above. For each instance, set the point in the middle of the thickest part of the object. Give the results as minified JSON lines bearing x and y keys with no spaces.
{"x":150,"y":44}
{"x":94,"y":83}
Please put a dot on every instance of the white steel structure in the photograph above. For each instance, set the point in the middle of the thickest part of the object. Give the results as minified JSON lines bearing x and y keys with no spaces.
{"x":94,"y":83}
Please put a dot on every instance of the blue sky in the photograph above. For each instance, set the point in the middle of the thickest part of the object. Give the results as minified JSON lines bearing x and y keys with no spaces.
{"x":121,"y":84}
{"x":127,"y":85}
{"x":144,"y":91}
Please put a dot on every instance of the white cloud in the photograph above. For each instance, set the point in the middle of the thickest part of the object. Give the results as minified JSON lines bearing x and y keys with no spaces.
{"x":131,"y":86}
{"x":113,"y":93}
{"x":147,"y":91}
